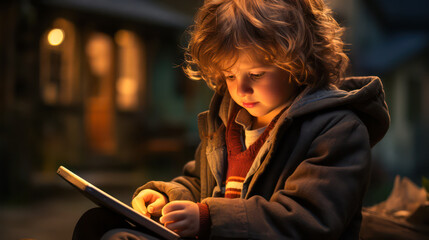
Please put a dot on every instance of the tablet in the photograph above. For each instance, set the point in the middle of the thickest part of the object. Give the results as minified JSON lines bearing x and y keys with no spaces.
{"x":103,"y":199}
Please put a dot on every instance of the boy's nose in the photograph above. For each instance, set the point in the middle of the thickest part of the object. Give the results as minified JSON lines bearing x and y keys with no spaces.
{"x":244,"y":87}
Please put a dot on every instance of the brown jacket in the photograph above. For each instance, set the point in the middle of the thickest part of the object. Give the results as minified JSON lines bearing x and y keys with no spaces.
{"x":309,"y":177}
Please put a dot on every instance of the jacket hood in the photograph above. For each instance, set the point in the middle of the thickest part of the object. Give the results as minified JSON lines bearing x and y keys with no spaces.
{"x":363,"y":95}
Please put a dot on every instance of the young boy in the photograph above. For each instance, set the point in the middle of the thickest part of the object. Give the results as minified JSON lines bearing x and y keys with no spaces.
{"x":285,"y":145}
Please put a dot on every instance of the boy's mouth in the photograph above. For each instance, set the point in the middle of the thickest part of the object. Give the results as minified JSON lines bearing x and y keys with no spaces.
{"x":249,"y":104}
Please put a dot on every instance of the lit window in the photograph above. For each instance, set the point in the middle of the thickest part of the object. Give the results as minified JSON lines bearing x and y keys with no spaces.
{"x":131,"y":78}
{"x":59,"y":80}
{"x":99,"y":112}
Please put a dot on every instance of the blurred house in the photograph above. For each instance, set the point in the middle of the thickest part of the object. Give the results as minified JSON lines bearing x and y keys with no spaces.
{"x":93,"y":84}
{"x":390,"y":39}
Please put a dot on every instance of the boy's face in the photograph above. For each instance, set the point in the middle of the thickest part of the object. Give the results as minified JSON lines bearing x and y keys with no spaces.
{"x":263,"y":90}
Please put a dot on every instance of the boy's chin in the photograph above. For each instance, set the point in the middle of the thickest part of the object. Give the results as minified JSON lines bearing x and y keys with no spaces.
{"x":263,"y":114}
{"x":255,"y":113}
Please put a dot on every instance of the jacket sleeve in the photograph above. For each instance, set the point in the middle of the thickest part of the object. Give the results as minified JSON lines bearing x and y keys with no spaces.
{"x":186,"y":187}
{"x":318,"y":200}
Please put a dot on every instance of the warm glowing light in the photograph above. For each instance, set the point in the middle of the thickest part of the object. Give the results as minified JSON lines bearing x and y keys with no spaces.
{"x":56,"y":36}
{"x":122,"y":37}
{"x":127,"y":90}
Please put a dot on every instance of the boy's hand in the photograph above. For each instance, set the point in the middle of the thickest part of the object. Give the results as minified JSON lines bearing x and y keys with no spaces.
{"x":182,"y":217}
{"x":149,"y":202}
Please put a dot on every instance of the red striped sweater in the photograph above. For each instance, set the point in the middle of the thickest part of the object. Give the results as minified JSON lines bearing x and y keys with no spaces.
{"x":240,"y":160}
{"x":239,"y":163}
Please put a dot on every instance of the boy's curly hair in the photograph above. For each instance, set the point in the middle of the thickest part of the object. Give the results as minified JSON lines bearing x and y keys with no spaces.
{"x":299,"y":36}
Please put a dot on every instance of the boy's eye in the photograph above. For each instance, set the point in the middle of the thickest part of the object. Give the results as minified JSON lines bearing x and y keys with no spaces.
{"x":230,"y":77}
{"x":256,"y":75}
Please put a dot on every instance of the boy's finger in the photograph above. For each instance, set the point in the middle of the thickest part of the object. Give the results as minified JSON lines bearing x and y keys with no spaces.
{"x":178,"y":226}
{"x":172,"y":217}
{"x":147,"y":196}
{"x":140,"y":207}
{"x":172,"y":206}
{"x":156,"y":206}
